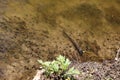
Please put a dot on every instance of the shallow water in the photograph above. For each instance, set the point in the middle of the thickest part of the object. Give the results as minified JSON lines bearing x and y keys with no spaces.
{"x":32,"y":30}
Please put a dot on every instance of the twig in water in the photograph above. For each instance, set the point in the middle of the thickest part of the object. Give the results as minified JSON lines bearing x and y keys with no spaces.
{"x":80,"y":51}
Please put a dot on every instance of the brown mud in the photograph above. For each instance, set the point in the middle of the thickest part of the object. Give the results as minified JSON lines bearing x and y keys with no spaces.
{"x":32,"y":30}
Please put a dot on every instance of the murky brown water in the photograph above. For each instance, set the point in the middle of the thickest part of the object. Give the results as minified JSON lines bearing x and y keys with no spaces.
{"x":32,"y":30}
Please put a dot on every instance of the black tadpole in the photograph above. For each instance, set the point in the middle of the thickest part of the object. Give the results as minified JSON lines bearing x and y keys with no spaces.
{"x":80,"y":51}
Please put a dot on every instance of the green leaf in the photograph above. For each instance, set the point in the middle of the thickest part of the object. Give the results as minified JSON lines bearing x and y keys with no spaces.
{"x":64,"y":63}
{"x":40,"y":61}
{"x":61,"y":59}
{"x":55,"y":66}
{"x":67,"y":63}
{"x":47,"y":63}
{"x":72,"y":71}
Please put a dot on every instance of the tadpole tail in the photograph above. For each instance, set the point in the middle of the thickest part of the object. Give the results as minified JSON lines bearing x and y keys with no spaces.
{"x":80,"y":51}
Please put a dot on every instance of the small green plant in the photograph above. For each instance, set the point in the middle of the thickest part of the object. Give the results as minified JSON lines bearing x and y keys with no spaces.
{"x":59,"y":68}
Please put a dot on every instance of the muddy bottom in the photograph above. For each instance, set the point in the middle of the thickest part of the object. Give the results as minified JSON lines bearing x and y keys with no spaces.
{"x":32,"y":30}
